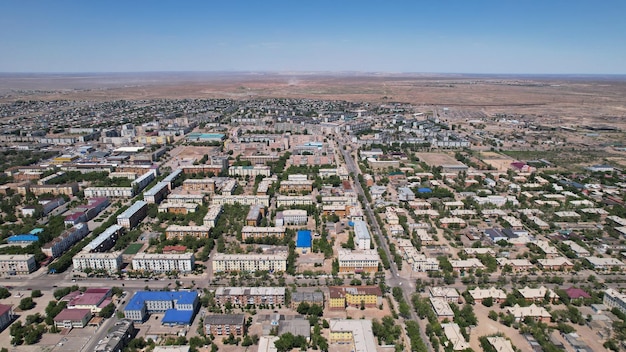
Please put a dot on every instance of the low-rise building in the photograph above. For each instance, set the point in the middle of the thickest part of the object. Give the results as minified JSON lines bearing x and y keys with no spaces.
{"x":249,"y":262}
{"x":516,"y":265}
{"x":538,"y":294}
{"x":157,"y":193}
{"x":608,"y":263}
{"x":111,"y":192}
{"x":496,"y":294}
{"x":177,"y":305}
{"x":467,"y":264}
{"x":105,"y":240}
{"x":214,"y":212}
{"x":241,"y":199}
{"x":163,"y":263}
{"x":442,"y":309}
{"x":255,"y":232}
{"x":614,"y":299}
{"x":17,"y":264}
{"x":251,"y":171}
{"x":580,"y":251}
{"x":250,"y":295}
{"x":72,"y":318}
{"x":557,"y":263}
{"x":450,"y":294}
{"x":6,"y":316}
{"x":202,"y":184}
{"x":310,"y":298}
{"x":178,"y":208}
{"x":357,"y":333}
{"x":132,"y":216}
{"x":455,"y":337}
{"x":180,"y":231}
{"x":65,"y":240}
{"x":537,"y":313}
{"x":289,"y":201}
{"x":357,"y":262}
{"x":117,"y":337}
{"x":362,"y":235}
{"x":295,"y":217}
{"x":225,"y":324}
{"x":341,"y":297}
{"x":110,"y":262}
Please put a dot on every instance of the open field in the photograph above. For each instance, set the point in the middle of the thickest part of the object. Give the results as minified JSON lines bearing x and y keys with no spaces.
{"x":133,"y":248}
{"x":437,"y":159}
{"x":553,"y":99}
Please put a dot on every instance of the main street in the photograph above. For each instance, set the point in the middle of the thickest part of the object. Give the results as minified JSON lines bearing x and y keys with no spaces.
{"x":395,"y":280}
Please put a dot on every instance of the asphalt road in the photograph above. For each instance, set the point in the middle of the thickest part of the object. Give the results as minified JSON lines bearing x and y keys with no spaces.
{"x":395,"y":280}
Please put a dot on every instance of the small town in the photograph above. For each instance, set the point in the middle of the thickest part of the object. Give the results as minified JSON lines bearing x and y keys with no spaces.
{"x":280,"y":224}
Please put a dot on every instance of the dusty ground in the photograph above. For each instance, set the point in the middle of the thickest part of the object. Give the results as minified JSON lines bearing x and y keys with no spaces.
{"x":437,"y":159}
{"x":581,"y":100}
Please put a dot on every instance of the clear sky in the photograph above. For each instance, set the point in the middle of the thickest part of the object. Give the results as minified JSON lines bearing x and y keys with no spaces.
{"x":435,"y":36}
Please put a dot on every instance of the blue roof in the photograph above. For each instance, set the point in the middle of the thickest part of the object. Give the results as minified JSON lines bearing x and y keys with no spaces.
{"x":303,"y":239}
{"x":23,"y":238}
{"x":177,"y":317}
{"x":182,"y":297}
{"x":36,"y":231}
{"x":424,"y":190}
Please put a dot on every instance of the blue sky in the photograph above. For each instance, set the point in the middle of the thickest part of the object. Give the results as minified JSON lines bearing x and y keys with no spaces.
{"x":436,"y":36}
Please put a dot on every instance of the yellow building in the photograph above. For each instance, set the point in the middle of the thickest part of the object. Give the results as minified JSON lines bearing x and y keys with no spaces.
{"x":64,"y":159}
{"x":354,"y":296}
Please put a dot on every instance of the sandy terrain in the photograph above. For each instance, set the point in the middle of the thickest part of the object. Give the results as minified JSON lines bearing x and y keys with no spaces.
{"x":560,"y":99}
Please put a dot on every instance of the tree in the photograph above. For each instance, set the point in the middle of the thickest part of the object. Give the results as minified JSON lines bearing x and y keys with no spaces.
{"x":108,"y":310}
{"x":26,"y":303}
{"x":4,"y":293}
{"x":36,"y":293}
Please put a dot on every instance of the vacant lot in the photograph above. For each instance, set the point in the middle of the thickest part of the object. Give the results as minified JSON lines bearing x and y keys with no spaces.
{"x":133,"y":248}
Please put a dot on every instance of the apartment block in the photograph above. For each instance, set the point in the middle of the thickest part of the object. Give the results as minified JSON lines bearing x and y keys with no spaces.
{"x":157,"y":193}
{"x":178,"y":231}
{"x":615,"y":299}
{"x":288,"y":201}
{"x":111,"y":262}
{"x":132,"y":216}
{"x":357,"y":262}
{"x":17,"y":264}
{"x":251,"y":171}
{"x":341,"y":297}
{"x":261,"y":232}
{"x":241,"y":199}
{"x":65,"y":240}
{"x":250,"y":295}
{"x":212,"y":215}
{"x":111,"y":192}
{"x":203,"y":184}
{"x":162,"y":263}
{"x":225,"y":324}
{"x":249,"y":262}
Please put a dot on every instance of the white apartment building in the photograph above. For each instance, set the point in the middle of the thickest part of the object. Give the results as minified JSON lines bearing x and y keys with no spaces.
{"x":288,"y":201}
{"x":251,"y":171}
{"x":362,"y":236}
{"x":615,"y":299}
{"x":212,"y":215}
{"x":185,"y":198}
{"x":260,"y":232}
{"x":356,"y":262}
{"x":111,"y":192}
{"x":263,"y":200}
{"x":133,"y":215}
{"x":295,"y":217}
{"x":17,"y":264}
{"x":249,"y":262}
{"x":162,"y":263}
{"x":65,"y":240}
{"x":178,"y":231}
{"x":157,"y":193}
{"x":111,"y":262}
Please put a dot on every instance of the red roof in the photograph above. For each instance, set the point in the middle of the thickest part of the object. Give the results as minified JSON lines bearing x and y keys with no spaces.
{"x":574,"y":293}
{"x":178,"y":248}
{"x":4,"y":308}
{"x":72,"y":314}
{"x":74,"y":216}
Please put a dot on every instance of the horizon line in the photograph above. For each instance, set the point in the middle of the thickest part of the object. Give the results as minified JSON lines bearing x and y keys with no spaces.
{"x":293,"y":72}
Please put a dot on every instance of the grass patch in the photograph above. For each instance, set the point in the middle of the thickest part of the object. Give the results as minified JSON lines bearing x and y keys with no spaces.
{"x":133,"y":248}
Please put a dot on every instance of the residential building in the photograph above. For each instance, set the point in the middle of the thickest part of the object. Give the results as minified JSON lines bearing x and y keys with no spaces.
{"x":117,"y":337}
{"x":450,"y":294}
{"x":289,"y":201}
{"x":357,"y":262}
{"x":538,"y":294}
{"x":203,"y":184}
{"x":608,"y":263}
{"x":105,"y":240}
{"x":6,"y":316}
{"x":341,"y":297}
{"x":110,"y":262}
{"x":500,"y":344}
{"x":93,"y":299}
{"x":557,"y":263}
{"x":178,"y":208}
{"x":249,"y":262}
{"x":455,"y":337}
{"x":225,"y":324}
{"x":580,"y":251}
{"x":179,"y":231}
{"x":516,"y":265}
{"x":181,"y":198}
{"x":296,"y":186}
{"x":442,"y":309}
{"x":496,"y":294}
{"x":467,"y":264}
{"x":251,"y":171}
{"x":157,"y":193}
{"x":241,"y":199}
{"x":65,"y":240}
{"x":132,"y":216}
{"x":614,"y":299}
{"x":294,"y":217}
{"x":255,"y":232}
{"x":250,"y":295}
{"x":537,"y":313}
{"x":362,"y":235}
{"x":310,"y":298}
{"x":17,"y":264}
{"x":69,"y":189}
{"x":254,"y":216}
{"x":163,"y":263}
{"x":111,"y":192}
{"x":357,"y":333}
{"x":214,"y":212}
